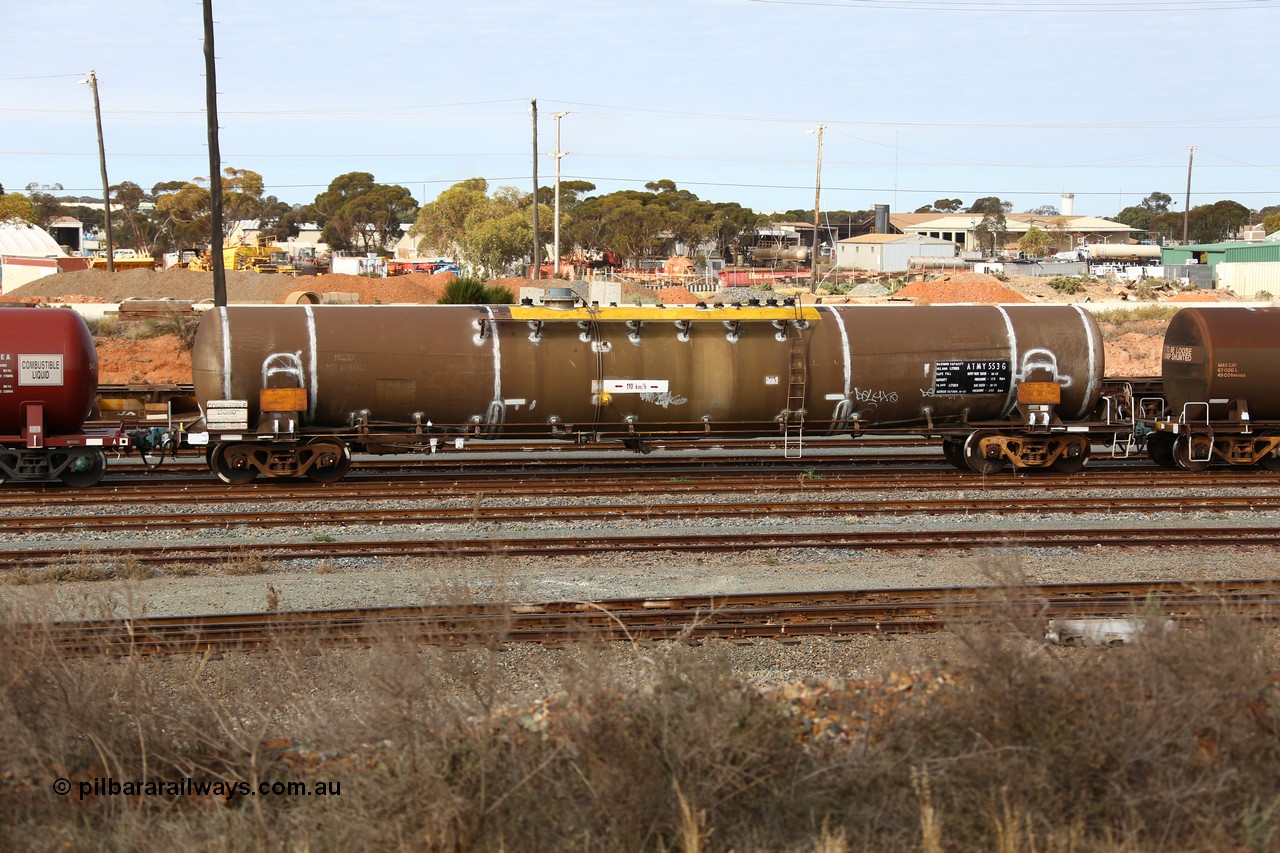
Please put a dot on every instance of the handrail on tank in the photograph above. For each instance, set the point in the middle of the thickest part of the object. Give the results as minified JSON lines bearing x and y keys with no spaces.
{"x":1185,"y":417}
{"x":287,"y":363}
{"x":1143,"y":402}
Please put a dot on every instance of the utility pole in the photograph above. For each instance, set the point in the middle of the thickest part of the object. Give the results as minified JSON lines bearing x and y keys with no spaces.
{"x":537,"y":249}
{"x":215,"y":163}
{"x":558,"y":155}
{"x":1186,"y":213}
{"x":817,"y":198}
{"x":102,"y":163}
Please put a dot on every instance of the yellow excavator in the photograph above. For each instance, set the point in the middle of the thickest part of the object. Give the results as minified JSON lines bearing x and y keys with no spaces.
{"x":265,"y":259}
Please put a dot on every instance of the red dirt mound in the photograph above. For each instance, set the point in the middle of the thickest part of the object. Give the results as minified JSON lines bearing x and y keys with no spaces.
{"x":961,"y":287}
{"x":677,"y":295}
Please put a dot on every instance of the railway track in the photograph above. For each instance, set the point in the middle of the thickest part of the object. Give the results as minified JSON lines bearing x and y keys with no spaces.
{"x":778,"y":616}
{"x":598,"y":481}
{"x":721,"y":542}
{"x":328,"y":519}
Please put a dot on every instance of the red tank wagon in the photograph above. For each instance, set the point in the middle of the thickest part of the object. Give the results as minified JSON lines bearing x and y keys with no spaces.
{"x":48,"y":378}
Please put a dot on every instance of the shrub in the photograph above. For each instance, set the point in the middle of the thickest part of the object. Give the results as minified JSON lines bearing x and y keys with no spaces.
{"x":103,"y":327}
{"x":470,"y":291}
{"x":1066,"y":284}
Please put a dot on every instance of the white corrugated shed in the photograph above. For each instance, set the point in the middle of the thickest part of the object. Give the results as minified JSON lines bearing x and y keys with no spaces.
{"x":1249,"y":280}
{"x":889,"y":252}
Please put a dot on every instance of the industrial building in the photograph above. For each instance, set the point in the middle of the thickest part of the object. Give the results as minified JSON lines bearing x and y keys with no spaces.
{"x":889,"y":252}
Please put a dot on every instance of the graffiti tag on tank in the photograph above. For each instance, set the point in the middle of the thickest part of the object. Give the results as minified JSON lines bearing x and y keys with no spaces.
{"x":867,"y":395}
{"x":665,"y":399}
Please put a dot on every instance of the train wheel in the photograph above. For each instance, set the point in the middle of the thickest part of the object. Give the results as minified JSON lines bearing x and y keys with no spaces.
{"x":1160,"y":449}
{"x":1271,"y":462}
{"x":953,"y":452}
{"x":231,"y":465}
{"x":1191,"y":452}
{"x":1065,"y":464}
{"x":977,"y":461}
{"x":85,"y":470}
{"x":333,"y":463}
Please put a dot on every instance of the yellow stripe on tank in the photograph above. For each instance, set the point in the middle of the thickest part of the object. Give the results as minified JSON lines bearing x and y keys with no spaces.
{"x":682,"y":312}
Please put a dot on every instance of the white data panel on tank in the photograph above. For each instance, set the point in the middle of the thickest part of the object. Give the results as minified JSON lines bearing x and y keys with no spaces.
{"x":634,"y":386}
{"x":40,"y":369}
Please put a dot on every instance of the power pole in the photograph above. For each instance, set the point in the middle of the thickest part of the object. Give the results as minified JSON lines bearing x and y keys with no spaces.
{"x":537,"y":249}
{"x":215,"y":163}
{"x":1186,"y":213}
{"x":102,"y":163}
{"x":558,"y":155}
{"x":817,"y":198}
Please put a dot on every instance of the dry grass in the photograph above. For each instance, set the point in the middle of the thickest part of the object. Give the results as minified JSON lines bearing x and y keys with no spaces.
{"x":1145,"y":319}
{"x":244,"y":563}
{"x":84,"y":567}
{"x":1171,"y":743}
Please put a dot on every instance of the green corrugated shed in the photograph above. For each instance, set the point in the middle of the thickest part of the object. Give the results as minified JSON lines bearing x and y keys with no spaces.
{"x":1215,"y":253}
{"x":1254,"y":253}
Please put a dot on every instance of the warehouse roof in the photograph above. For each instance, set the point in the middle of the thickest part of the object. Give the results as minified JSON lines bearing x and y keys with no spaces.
{"x":27,"y":241}
{"x":893,"y":238}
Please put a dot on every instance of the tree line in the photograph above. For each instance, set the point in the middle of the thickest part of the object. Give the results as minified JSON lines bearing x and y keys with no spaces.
{"x":490,"y":229}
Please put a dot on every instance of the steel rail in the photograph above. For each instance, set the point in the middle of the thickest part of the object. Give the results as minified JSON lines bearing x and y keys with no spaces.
{"x":587,"y":483}
{"x":718,"y":542}
{"x":771,"y":615}
{"x":304,"y":518}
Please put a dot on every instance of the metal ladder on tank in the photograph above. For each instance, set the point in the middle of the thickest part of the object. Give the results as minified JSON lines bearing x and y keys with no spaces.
{"x":797,"y":380}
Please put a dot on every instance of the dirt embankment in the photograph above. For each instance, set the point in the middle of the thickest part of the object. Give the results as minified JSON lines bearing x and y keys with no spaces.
{"x":242,"y":286}
{"x":1132,"y":349}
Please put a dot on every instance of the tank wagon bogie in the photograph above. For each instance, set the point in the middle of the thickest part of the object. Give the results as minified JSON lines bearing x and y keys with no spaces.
{"x":292,"y":390}
{"x":48,"y":380}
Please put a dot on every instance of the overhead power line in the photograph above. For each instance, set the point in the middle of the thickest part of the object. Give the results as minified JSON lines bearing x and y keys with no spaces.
{"x":1097,"y":6}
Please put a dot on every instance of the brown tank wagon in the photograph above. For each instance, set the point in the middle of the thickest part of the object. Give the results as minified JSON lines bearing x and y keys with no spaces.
{"x":1220,"y":368}
{"x":290,"y":390}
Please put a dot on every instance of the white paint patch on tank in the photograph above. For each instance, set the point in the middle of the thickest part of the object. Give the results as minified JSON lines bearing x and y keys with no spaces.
{"x":226,"y":352}
{"x":1013,"y":359}
{"x":497,"y":355}
{"x":844,"y":351}
{"x":314,"y":394}
{"x":1092,"y":387}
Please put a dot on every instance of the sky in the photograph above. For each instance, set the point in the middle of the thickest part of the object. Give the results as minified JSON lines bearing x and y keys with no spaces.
{"x":916,"y":99}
